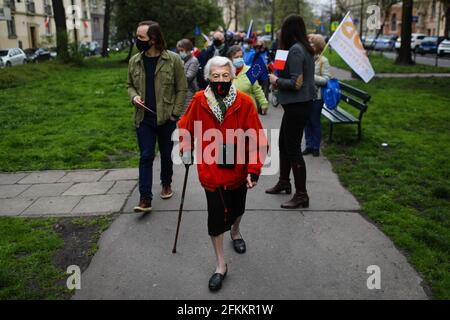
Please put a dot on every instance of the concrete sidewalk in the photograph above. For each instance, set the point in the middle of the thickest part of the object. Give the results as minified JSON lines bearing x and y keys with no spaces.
{"x":319,"y":253}
{"x":65,"y":193}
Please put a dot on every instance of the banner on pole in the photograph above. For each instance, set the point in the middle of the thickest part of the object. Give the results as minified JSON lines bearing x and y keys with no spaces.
{"x":346,"y":42}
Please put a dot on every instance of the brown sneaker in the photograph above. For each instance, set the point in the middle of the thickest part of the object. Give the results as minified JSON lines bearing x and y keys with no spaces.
{"x":145,"y":205}
{"x":166,"y":192}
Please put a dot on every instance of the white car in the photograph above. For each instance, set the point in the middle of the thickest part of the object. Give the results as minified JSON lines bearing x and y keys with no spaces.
{"x":416,"y":40}
{"x":444,"y":47}
{"x":12,"y":57}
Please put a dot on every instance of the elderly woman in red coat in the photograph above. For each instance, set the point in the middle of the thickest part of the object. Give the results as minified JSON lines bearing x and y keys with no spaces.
{"x":230,"y":151}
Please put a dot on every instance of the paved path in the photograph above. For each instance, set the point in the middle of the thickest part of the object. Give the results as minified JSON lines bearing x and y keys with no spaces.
{"x":428,"y":59}
{"x":65,"y":193}
{"x":319,"y":253}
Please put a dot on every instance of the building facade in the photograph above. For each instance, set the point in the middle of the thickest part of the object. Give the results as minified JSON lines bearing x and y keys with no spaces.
{"x":425,"y":16}
{"x":428,"y":18}
{"x":32,"y":22}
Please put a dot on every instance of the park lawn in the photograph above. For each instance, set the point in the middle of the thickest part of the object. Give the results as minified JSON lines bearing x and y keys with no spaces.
{"x":56,"y":116}
{"x":381,"y":64}
{"x":35,"y":253}
{"x":403,"y":188}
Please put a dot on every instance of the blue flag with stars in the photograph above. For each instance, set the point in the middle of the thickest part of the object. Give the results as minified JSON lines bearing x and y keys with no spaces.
{"x":197,"y":31}
{"x":258,"y":71}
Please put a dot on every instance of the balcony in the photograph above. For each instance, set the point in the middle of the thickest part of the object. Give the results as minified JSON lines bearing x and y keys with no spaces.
{"x":31,"y":9}
{"x":11,"y":4}
{"x":48,"y":10}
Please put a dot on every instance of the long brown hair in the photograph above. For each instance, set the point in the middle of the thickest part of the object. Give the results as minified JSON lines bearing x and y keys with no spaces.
{"x":155,"y":34}
{"x":294,"y":31}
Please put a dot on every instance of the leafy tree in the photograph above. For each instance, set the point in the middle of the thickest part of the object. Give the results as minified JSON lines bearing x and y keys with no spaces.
{"x":177,"y":18}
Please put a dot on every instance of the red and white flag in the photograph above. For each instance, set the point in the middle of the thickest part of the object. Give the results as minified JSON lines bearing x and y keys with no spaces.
{"x":46,"y":22}
{"x":86,"y":25}
{"x":280,"y":59}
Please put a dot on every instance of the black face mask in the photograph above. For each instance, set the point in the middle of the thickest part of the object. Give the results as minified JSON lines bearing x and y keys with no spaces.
{"x":221,"y":88}
{"x":142,"y":45}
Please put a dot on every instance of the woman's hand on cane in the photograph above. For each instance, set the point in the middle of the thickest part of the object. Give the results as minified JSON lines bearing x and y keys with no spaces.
{"x":251,"y":183}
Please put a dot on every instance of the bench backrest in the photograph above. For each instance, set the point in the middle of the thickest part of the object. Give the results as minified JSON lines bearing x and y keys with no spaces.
{"x":354,"y":97}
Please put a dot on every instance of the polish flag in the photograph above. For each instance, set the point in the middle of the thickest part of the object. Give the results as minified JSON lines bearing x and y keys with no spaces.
{"x":280,"y":59}
{"x":46,"y":22}
{"x":85,"y":24}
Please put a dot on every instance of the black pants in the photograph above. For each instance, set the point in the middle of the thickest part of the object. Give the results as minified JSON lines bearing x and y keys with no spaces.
{"x":295,"y":118}
{"x":233,"y":201}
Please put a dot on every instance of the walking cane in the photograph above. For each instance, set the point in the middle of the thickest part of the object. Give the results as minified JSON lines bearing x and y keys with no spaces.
{"x":174,"y":250}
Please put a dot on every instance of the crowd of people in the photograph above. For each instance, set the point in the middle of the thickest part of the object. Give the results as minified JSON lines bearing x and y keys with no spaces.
{"x":170,"y":89}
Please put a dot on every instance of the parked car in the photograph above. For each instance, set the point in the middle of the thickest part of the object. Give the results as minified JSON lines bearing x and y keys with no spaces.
{"x":416,"y":40}
{"x":53,"y":52}
{"x":90,"y":48}
{"x":385,"y":43}
{"x":444,"y":47}
{"x":37,"y":55}
{"x":368,"y":41}
{"x":429,"y":45}
{"x":12,"y":57}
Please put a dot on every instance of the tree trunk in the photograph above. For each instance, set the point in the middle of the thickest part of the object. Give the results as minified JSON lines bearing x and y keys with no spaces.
{"x":447,"y":23}
{"x":106,"y":29}
{"x":130,"y":51}
{"x":59,"y":15}
{"x":404,"y":56}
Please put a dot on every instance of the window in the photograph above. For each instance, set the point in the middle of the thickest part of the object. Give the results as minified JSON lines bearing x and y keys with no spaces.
{"x":11,"y":27}
{"x":394,"y":22}
{"x":48,"y":28}
{"x":96,"y":25}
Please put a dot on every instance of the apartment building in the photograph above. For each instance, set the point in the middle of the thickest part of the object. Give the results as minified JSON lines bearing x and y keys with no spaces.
{"x":31,"y":23}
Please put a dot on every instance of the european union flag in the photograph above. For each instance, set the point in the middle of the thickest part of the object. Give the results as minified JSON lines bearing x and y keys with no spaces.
{"x":197,"y":31}
{"x":258,"y":71}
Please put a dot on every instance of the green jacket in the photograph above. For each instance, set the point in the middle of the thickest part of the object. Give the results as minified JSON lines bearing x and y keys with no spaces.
{"x":170,"y":86}
{"x":242,"y":83}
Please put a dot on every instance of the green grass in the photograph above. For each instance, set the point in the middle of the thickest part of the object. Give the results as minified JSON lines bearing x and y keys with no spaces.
{"x":404,"y":188}
{"x":381,"y":64}
{"x":27,"y":251}
{"x":66,"y":117}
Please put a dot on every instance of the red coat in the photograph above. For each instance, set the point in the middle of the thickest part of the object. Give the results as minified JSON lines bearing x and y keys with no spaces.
{"x":241,"y":115}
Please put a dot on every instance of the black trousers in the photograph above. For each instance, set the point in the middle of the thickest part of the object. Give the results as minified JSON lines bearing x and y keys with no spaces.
{"x":224,"y":207}
{"x":295,"y":118}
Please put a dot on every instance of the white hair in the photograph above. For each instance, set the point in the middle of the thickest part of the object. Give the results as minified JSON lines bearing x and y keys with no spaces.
{"x":219,"y":62}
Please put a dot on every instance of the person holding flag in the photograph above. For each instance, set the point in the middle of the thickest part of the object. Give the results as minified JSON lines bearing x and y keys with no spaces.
{"x":245,"y":80}
{"x":296,"y":92}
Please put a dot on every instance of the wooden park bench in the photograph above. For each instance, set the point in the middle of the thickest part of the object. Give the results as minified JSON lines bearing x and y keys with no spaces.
{"x":350,"y":96}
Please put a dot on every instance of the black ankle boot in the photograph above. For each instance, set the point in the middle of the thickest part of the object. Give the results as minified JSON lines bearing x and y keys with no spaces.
{"x":300,"y":198}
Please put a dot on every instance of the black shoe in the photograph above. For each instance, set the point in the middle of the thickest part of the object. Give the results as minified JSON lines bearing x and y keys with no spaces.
{"x":215,"y":282}
{"x":239,"y":245}
{"x":307,"y":151}
{"x":316,"y":153}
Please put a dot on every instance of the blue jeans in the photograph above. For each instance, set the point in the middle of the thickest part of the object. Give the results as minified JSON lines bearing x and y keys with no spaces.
{"x":147,"y":133}
{"x":313,"y":129}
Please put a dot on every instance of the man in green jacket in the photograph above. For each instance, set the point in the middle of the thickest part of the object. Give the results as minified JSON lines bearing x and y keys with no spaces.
{"x":157,"y":87}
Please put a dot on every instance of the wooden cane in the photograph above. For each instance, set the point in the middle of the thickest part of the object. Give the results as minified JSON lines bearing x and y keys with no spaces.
{"x":174,"y":250}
